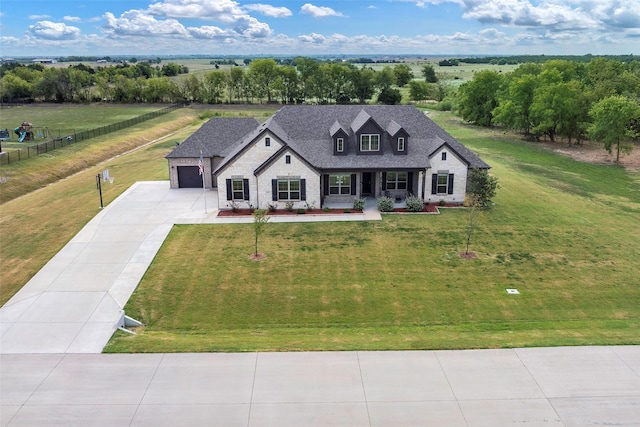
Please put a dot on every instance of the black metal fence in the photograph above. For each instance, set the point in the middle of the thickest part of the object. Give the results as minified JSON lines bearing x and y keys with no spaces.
{"x":62,"y":138}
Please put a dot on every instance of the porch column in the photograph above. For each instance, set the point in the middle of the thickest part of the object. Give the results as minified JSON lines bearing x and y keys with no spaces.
{"x":420,"y":182}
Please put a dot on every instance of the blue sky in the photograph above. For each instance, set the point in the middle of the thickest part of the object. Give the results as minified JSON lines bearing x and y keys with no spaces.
{"x":313,"y":27}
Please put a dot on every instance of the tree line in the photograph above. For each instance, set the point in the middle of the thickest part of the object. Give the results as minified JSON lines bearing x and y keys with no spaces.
{"x":559,"y":99}
{"x":298,"y":80}
{"x":83,"y":83}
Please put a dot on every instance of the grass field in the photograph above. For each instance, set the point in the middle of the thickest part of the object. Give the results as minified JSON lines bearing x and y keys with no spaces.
{"x":63,"y":120}
{"x":34,"y":225}
{"x":565,"y":234}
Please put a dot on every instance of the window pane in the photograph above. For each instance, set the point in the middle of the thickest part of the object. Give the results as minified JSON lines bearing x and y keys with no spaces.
{"x":237,"y":185}
{"x":283,"y":185}
{"x":294,"y":195}
{"x":294,"y":185}
{"x":364,"y":143}
{"x":442,"y":179}
{"x":375,"y":146}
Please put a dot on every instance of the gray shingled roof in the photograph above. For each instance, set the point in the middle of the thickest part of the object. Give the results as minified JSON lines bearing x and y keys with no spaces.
{"x":308,"y":130}
{"x":215,"y":137}
{"x":393,"y":128}
{"x":308,"y":127}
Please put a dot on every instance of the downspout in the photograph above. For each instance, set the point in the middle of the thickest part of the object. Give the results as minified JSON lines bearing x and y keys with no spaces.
{"x":257,"y":192}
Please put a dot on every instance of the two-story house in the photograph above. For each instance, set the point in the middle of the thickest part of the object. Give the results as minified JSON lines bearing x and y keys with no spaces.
{"x":325,"y":154}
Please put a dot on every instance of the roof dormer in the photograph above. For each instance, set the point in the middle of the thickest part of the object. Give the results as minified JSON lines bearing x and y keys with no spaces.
{"x":399,"y":138}
{"x":339,"y":137}
{"x":368,"y":134}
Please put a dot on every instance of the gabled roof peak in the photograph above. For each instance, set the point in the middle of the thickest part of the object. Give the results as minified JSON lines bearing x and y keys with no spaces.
{"x":336,"y":127}
{"x":360,"y":120}
{"x":393,"y":128}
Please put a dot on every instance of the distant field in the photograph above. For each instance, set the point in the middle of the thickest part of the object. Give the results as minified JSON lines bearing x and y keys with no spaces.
{"x":565,"y":234}
{"x":456,"y":75}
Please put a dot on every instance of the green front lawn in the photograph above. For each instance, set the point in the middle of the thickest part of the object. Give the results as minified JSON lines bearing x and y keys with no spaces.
{"x":564,"y":233}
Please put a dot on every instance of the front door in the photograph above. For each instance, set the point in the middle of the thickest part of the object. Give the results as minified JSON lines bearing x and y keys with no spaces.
{"x":367,"y":184}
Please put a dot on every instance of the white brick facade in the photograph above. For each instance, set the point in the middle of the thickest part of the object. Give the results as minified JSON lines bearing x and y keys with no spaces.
{"x":297,"y":168}
{"x":452,"y":165}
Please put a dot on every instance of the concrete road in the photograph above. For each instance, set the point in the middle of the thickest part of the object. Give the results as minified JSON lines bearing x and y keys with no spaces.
{"x":564,"y":386}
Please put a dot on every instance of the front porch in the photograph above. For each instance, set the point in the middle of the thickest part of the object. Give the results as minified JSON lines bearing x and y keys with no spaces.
{"x":370,"y":204}
{"x":342,"y":188}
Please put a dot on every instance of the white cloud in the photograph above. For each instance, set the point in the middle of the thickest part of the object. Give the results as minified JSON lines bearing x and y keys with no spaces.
{"x":227,"y":11}
{"x":71,"y":18}
{"x":491,"y":33}
{"x":6,"y":40}
{"x":318,"y":11}
{"x":617,"y":14}
{"x":312,"y":38}
{"x":37,"y":17}
{"x":138,"y":23}
{"x":53,"y":31}
{"x":209,"y":32}
{"x":522,"y":13}
{"x":252,"y":28}
{"x":268,"y":10}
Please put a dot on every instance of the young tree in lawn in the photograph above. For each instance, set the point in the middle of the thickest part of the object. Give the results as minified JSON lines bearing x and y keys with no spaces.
{"x":481,"y":187}
{"x":613,"y":123}
{"x":474,"y":218}
{"x":260,"y":219}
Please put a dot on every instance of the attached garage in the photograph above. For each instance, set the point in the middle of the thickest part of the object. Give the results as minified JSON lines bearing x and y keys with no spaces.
{"x":188,"y":177}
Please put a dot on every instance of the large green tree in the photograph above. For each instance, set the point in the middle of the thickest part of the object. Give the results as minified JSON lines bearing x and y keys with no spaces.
{"x":429,"y":73}
{"x":363,"y":84}
{"x":514,"y":111}
{"x":613,"y":123}
{"x":559,"y":109}
{"x":403,"y":74}
{"x":419,"y":90}
{"x":264,"y":71}
{"x":479,"y":97}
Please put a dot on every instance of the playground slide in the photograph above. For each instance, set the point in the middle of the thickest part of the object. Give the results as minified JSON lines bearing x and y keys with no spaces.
{"x":22,"y":136}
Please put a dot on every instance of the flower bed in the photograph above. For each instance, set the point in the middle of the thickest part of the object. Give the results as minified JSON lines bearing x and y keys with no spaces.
{"x":428,"y":208}
{"x":280,"y":212}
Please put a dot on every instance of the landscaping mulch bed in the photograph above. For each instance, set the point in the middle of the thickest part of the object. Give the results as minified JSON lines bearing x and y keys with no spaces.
{"x":281,"y":212}
{"x":428,"y":208}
